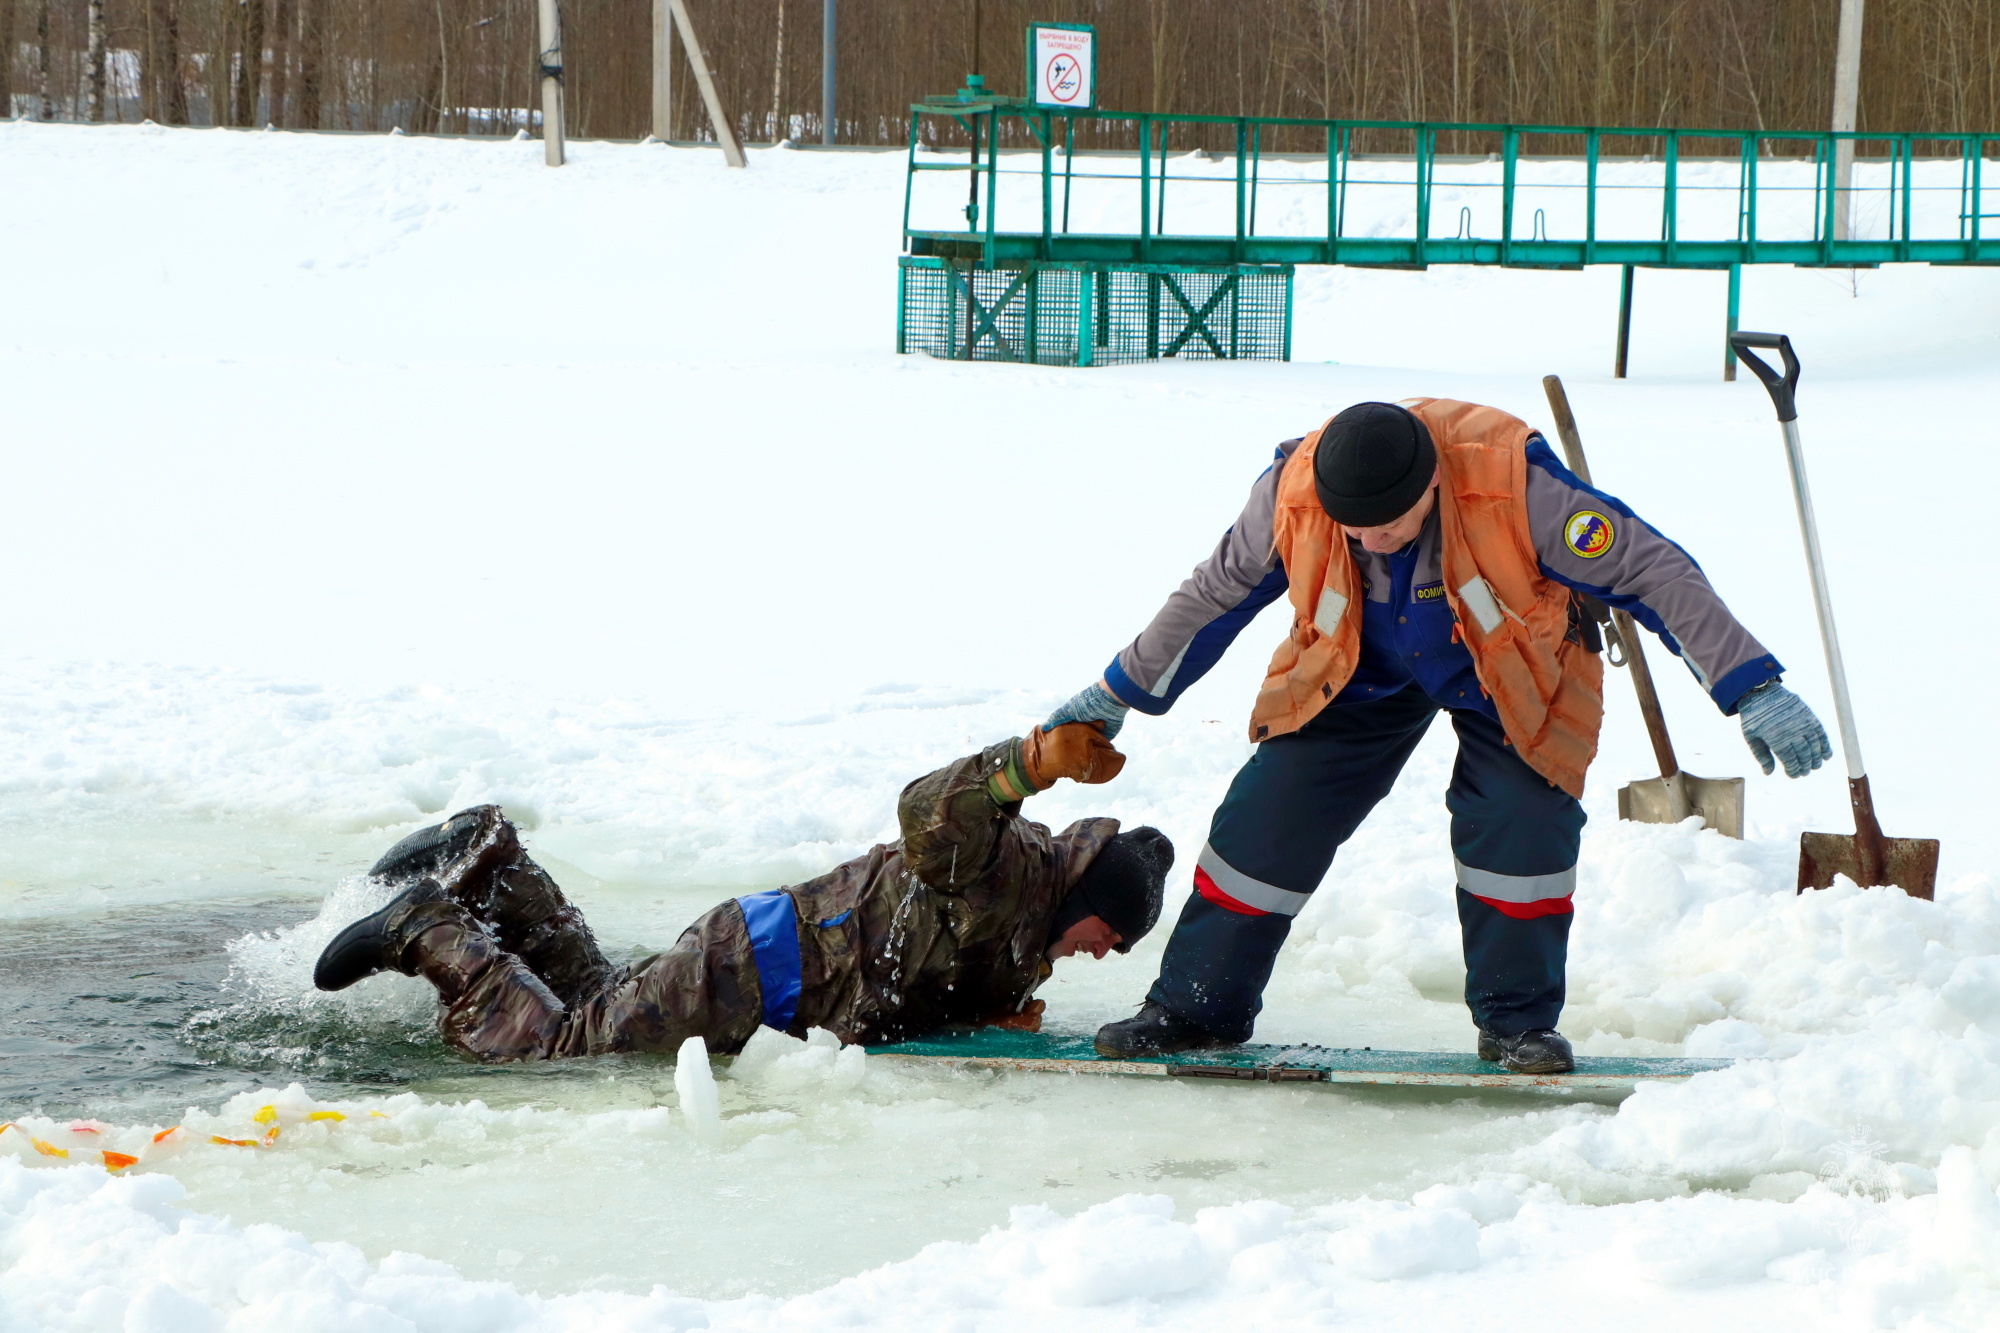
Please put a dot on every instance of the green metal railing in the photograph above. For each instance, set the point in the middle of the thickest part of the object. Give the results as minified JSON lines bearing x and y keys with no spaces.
{"x":1047,"y":237}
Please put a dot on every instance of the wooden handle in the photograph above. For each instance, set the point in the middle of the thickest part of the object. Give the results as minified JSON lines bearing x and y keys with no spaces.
{"x":1635,"y":656}
{"x":1572,"y":442}
{"x":1649,"y":699}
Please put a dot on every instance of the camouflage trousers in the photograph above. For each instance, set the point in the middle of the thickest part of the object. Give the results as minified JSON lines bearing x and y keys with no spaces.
{"x":519,"y":975}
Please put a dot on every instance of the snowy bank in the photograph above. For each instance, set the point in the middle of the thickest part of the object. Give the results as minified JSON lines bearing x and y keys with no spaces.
{"x":313,"y":539}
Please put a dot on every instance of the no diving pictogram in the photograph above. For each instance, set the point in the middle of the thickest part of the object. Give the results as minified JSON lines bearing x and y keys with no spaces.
{"x":1064,"y":77}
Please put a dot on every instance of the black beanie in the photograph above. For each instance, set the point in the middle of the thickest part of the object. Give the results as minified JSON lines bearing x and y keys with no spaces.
{"x":1373,"y":464}
{"x":1124,"y":886}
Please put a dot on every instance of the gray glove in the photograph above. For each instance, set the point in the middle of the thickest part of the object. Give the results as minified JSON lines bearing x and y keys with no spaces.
{"x":1093,"y":704}
{"x":1777,"y":722}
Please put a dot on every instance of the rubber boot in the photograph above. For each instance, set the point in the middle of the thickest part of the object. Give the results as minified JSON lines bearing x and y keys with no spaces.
{"x":1544,"y":1051}
{"x":1154,"y":1030}
{"x":378,"y":941}
{"x":463,"y":854}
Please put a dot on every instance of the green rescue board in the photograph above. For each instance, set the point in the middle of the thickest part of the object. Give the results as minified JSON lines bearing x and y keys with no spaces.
{"x":999,"y":1048}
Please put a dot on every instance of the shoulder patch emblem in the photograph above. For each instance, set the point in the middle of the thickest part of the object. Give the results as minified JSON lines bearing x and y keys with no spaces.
{"x":1588,"y":534}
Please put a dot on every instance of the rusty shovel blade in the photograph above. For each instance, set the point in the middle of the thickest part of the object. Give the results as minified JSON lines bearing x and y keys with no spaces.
{"x":1908,"y":863}
{"x":1719,"y":802}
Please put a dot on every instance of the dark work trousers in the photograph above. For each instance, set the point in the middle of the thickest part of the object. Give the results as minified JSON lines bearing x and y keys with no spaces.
{"x":1514,"y":837}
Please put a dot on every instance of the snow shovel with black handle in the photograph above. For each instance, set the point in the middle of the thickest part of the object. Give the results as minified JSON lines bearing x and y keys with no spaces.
{"x":1674,"y":795}
{"x":1867,"y":858}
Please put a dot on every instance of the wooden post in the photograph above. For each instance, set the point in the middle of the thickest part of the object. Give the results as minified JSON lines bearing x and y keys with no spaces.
{"x":663,"y":72}
{"x":829,"y":21}
{"x":551,"y":74}
{"x":1846,"y":101}
{"x":704,"y":78}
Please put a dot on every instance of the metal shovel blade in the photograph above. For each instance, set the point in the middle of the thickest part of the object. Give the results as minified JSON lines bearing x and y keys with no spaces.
{"x":1719,"y":802}
{"x":1908,"y":863}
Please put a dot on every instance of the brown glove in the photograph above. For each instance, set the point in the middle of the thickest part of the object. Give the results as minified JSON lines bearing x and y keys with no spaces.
{"x":1075,"y":750}
{"x":1029,"y":1019}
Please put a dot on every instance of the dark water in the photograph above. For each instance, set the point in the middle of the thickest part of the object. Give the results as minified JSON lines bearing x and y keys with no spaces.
{"x":126,"y":1015}
{"x":129,"y":1015}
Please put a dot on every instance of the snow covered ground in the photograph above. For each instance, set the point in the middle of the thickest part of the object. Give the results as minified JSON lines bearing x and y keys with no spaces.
{"x":353,"y":480}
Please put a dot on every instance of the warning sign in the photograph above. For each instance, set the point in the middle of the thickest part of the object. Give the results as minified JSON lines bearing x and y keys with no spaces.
{"x":1062,"y":60}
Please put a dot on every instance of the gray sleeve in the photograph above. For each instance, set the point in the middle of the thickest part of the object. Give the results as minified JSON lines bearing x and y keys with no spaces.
{"x":1594,"y":543}
{"x":1203,"y":616}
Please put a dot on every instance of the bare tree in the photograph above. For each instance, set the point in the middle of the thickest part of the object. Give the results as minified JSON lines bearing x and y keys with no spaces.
{"x":173,"y":105}
{"x":778,"y":80}
{"x":47,"y":109}
{"x":250,"y":64}
{"x":93,"y":67}
{"x":6,"y":59}
{"x":282,"y":24}
{"x":1927,"y":65}
{"x":312,"y":52}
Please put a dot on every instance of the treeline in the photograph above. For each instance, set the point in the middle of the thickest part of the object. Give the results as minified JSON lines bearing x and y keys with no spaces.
{"x":467,"y":66}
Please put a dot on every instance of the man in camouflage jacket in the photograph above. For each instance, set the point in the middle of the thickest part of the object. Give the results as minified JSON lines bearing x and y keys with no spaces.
{"x":955,"y":924}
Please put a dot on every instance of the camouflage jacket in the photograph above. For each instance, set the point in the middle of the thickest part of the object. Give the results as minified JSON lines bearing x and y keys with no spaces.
{"x":946,"y":926}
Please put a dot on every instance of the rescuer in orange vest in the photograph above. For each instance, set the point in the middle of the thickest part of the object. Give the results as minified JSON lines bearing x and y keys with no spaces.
{"x":1435,"y":555}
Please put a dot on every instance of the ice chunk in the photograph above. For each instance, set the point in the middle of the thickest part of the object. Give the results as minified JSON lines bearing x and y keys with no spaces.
{"x":1968,"y":1218}
{"x":1406,"y":1243}
{"x":1130,"y":1247}
{"x":1728,"y":1038}
{"x":783,"y":1062}
{"x":1486,"y":1202}
{"x":695,"y":1083}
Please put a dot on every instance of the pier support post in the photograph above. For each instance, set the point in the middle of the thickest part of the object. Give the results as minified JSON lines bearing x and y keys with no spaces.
{"x":1624,"y":323}
{"x":1735,"y":306}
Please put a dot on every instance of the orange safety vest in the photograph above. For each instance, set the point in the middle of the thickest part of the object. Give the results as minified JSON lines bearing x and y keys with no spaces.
{"x":1548,"y":690}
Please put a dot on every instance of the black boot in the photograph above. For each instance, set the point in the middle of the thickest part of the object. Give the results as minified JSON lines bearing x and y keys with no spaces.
{"x":376,"y":942}
{"x":1544,"y":1051}
{"x":1154,"y":1030}
{"x":463,"y":854}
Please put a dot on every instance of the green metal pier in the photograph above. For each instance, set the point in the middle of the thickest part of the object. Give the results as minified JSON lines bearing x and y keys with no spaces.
{"x":1014,"y":281}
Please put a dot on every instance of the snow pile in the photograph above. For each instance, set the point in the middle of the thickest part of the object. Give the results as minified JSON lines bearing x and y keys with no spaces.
{"x":93,"y":1252}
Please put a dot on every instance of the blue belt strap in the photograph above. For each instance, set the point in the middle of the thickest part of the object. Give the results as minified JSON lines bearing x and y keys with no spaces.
{"x":773,"y":920}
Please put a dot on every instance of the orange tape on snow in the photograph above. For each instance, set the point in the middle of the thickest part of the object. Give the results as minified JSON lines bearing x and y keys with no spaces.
{"x":268,"y":1116}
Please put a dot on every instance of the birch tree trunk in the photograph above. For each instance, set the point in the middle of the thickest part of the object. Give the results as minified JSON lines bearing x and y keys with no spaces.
{"x":442,"y":118}
{"x":93,"y":67}
{"x":778,"y":79}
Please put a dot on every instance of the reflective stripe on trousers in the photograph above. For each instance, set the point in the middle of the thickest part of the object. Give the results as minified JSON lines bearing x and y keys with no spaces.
{"x":1514,"y":837}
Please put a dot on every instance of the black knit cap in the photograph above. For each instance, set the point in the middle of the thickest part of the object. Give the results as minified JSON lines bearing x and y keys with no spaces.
{"x":1124,"y":885}
{"x":1373,"y":464}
